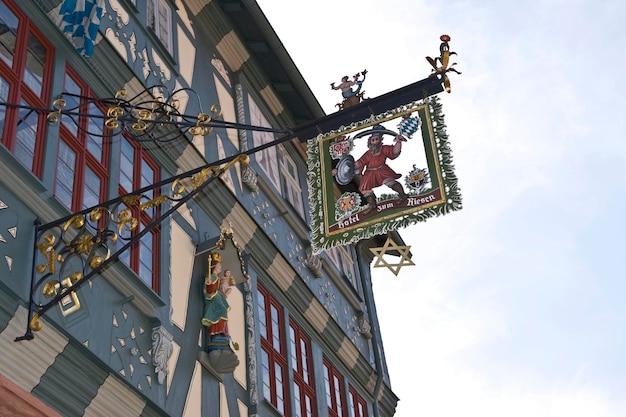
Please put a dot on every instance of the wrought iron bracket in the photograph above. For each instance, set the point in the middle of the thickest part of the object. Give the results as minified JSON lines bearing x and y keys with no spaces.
{"x":69,"y":252}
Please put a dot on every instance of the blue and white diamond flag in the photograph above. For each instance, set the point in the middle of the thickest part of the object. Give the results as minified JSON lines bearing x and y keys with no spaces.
{"x":81,"y":20}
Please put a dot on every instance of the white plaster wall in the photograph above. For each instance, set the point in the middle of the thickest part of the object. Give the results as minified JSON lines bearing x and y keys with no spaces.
{"x":193,"y":404}
{"x":181,"y":264}
{"x":237,"y":328}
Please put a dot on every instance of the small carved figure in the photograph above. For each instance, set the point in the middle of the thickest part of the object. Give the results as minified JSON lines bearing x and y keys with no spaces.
{"x":350,"y":96}
{"x":226,"y":281}
{"x":443,"y":58}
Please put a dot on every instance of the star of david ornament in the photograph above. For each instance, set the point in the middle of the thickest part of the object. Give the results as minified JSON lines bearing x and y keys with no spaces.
{"x":389,"y":246}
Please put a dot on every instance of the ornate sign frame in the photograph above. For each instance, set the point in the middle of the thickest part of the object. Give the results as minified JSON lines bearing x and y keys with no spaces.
{"x":341,"y":213}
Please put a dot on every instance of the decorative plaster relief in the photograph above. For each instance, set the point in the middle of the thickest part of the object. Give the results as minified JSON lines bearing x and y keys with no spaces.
{"x":219,"y":66}
{"x":127,"y":347}
{"x":125,"y":41}
{"x":327,"y":297}
{"x":121,"y":17}
{"x":132,"y":46}
{"x":251,"y":345}
{"x":163,"y":73}
{"x":268,"y":219}
{"x":162,"y":349}
{"x":295,"y":252}
{"x":313,"y":262}
{"x":143,"y":55}
{"x":363,"y":326}
{"x":249,"y":178}
{"x":12,"y":230}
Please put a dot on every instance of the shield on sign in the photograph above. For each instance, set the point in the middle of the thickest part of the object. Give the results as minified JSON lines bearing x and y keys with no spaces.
{"x":345,"y":170}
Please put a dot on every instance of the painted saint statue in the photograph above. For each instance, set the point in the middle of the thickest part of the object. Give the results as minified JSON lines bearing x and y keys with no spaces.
{"x":216,"y":288}
{"x":219,"y":355}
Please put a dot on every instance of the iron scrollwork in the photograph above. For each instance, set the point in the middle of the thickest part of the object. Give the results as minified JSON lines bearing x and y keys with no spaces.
{"x":70,"y":251}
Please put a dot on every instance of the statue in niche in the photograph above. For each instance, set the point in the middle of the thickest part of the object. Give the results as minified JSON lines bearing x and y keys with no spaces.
{"x":216,"y":307}
{"x":221,"y":356}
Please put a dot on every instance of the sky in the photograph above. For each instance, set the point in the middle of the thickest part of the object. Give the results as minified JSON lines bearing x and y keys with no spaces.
{"x":516,"y":303}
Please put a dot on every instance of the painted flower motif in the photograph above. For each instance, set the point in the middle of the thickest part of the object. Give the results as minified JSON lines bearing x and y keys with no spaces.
{"x":347,"y":203}
{"x":418,"y":179}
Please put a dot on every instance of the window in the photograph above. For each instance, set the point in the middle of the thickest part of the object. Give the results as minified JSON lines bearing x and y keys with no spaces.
{"x":340,"y":257}
{"x":293,"y":192}
{"x":25,"y":73}
{"x":334,"y":390}
{"x":304,"y":391}
{"x":273,"y":357}
{"x":138,"y":170}
{"x":356,"y":404}
{"x":81,"y":176}
{"x":266,"y":158}
{"x":160,"y":21}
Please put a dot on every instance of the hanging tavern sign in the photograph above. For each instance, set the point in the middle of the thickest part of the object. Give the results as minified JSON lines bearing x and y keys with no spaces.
{"x":382,"y":173}
{"x":360,"y":184}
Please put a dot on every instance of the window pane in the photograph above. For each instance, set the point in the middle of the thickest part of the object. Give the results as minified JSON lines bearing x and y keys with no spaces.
{"x":25,"y":137}
{"x":4,"y":95}
{"x":278,"y":375}
{"x":267,"y":393}
{"x":126,"y":166}
{"x":296,"y":397}
{"x":337,"y":396}
{"x":91,"y":190}
{"x":303,"y":359}
{"x":8,"y":23}
{"x":95,"y":129}
{"x":66,"y":166}
{"x":145,"y":258}
{"x":163,"y":19}
{"x":309,"y":406}
{"x":262,"y":318}
{"x":35,"y":59}
{"x":329,"y":400}
{"x":147,"y":178}
{"x":351,"y":404}
{"x":124,"y":256}
{"x":150,"y":12}
{"x":275,"y":328}
{"x":266,"y":158}
{"x":147,"y":174}
{"x":72,"y":103}
{"x":294,"y":353}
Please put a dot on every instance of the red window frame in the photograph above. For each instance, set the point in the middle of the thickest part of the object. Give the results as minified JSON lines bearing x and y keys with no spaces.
{"x":20,"y":93}
{"x":301,"y":363}
{"x":273,"y":351}
{"x":358,"y":405}
{"x":335,"y":391}
{"x":77,"y":139}
{"x":133,"y":257}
